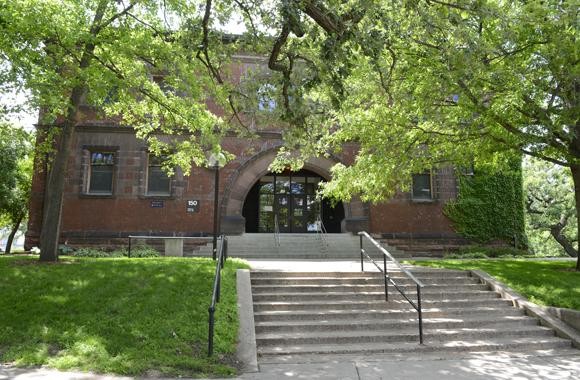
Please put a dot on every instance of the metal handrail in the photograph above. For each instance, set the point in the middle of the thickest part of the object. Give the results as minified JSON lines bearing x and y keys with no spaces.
{"x":276,"y":231}
{"x":386,"y":254}
{"x":321,"y":231}
{"x":215,"y":297}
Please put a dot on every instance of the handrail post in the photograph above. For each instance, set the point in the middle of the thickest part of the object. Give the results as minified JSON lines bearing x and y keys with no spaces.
{"x":222,"y":252}
{"x":420,"y":314}
{"x":219,"y":286}
{"x":362,"y":268}
{"x":129,"y":253}
{"x":225,"y":242}
{"x":384,"y":271}
{"x":386,"y":276}
{"x":210,"y":338}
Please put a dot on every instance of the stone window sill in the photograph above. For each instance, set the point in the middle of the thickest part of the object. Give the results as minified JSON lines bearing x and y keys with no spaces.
{"x":157,"y":196}
{"x":418,"y":200}
{"x":96,"y":195}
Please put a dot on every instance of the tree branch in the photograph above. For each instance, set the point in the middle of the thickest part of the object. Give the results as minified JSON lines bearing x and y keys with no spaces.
{"x":114,"y":17}
{"x":544,"y":157}
{"x":556,"y":232}
{"x":322,"y":16}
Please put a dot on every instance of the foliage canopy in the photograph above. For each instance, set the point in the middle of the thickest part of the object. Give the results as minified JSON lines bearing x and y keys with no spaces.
{"x":415,"y":83}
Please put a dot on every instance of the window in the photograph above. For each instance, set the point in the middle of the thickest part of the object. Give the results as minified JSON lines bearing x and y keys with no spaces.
{"x":422,"y":187}
{"x":101,"y":172}
{"x":164,"y":86}
{"x":266,"y":98}
{"x":158,"y":183}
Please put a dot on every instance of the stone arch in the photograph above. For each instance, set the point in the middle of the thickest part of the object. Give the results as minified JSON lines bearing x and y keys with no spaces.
{"x":239,"y":184}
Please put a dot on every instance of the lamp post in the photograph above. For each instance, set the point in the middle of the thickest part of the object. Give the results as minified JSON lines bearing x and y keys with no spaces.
{"x":216,"y":161}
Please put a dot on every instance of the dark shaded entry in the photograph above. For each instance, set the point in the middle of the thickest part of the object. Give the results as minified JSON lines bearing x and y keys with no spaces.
{"x":291,"y":197}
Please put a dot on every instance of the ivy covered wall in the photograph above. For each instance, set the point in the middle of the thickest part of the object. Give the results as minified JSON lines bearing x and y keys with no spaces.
{"x":490,"y":203}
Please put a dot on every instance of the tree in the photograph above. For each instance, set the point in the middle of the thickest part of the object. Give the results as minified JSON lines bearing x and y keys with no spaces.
{"x":423,"y":83}
{"x":77,"y":54}
{"x":415,"y":83}
{"x":15,"y":177}
{"x":550,"y":206}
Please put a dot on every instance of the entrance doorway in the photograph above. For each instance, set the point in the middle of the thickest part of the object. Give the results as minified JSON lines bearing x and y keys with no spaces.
{"x":289,"y":198}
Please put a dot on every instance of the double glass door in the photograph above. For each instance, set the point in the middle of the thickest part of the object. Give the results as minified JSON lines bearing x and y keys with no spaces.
{"x":291,"y":199}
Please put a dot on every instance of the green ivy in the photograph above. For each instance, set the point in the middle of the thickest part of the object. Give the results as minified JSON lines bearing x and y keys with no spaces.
{"x":490,"y":204}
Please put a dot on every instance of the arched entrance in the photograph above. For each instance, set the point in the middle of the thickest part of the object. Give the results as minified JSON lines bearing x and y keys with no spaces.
{"x":289,"y":199}
{"x":248,"y":173}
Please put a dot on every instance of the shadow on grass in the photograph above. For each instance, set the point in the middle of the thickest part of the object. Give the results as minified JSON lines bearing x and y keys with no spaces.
{"x":124,"y":316}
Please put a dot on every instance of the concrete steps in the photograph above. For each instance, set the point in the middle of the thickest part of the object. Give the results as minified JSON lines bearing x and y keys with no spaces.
{"x":304,"y":352}
{"x":296,"y":246}
{"x":299,"y":316}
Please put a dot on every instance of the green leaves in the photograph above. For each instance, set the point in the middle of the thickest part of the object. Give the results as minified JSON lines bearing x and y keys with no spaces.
{"x":134,"y":44}
{"x":549,"y":200}
{"x":467,"y":81}
{"x":15,"y":172}
{"x":490,"y":204}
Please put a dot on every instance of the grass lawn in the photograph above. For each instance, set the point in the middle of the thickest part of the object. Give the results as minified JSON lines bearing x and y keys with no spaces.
{"x":549,"y":283}
{"x":123,"y":316}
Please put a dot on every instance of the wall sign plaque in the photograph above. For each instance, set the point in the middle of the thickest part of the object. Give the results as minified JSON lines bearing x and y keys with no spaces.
{"x":157,"y":204}
{"x":192,"y":205}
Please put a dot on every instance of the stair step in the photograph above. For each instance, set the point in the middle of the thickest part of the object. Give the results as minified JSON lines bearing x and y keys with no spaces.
{"x":358,"y":288}
{"x":402,"y":335}
{"x":491,"y":344}
{"x":381,"y":304}
{"x":375,"y":280}
{"x":417,"y":272}
{"x":300,"y":315}
{"x":345,"y":296}
{"x":390,"y":325}
{"x":380,"y":314}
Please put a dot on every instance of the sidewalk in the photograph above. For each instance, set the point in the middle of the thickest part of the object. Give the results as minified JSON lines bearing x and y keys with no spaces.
{"x":494,"y":367}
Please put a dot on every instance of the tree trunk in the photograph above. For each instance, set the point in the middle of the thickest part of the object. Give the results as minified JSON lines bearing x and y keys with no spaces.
{"x":13,"y":232}
{"x":54,"y":189}
{"x":556,"y":231}
{"x":575,"y":169}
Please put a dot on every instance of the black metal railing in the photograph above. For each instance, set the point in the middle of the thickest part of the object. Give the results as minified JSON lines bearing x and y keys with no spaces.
{"x":215,"y":298}
{"x":388,"y":279}
{"x":321,"y":231}
{"x":276,"y":231}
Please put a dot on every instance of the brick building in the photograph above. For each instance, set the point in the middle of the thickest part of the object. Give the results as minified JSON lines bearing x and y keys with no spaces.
{"x":114,"y":188}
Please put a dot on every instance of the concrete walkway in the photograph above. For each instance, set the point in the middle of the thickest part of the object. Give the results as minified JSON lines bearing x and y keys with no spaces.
{"x":497,"y":366}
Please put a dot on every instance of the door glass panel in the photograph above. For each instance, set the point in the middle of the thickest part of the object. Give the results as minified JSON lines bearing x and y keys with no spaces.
{"x":298,"y":225}
{"x":298,"y":206}
{"x":282,"y":185}
{"x":298,"y":185}
{"x":298,"y":213}
{"x":267,"y":185}
{"x":283,"y":214}
{"x":312,"y":212}
{"x":266,"y":213}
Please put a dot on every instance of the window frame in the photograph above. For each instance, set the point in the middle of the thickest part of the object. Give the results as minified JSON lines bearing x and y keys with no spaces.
{"x":416,"y":197}
{"x":87,"y":175}
{"x":148,"y":166}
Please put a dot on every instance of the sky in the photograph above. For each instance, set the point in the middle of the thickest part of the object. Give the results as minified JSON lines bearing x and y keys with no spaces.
{"x":28,"y":117}
{"x":23,"y":119}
